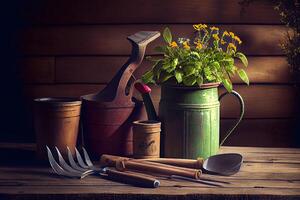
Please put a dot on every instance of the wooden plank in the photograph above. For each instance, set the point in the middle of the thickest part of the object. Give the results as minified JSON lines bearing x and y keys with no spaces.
{"x":274,"y":167}
{"x":232,"y":182}
{"x":139,"y":11}
{"x":121,"y":192}
{"x":101,"y":69}
{"x":111,"y":40}
{"x":271,"y":133}
{"x":251,"y":175}
{"x":37,"y":69}
{"x":89,"y":69}
{"x":64,"y":90}
{"x":259,"y":150}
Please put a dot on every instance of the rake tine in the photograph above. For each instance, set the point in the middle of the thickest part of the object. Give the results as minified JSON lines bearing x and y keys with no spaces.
{"x":80,"y":160}
{"x":56,"y":168}
{"x":64,"y":164}
{"x":89,"y":162}
{"x":87,"y":158}
{"x":73,"y":163}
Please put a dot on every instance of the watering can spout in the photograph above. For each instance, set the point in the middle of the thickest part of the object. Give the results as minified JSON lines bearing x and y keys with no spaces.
{"x":145,"y":92}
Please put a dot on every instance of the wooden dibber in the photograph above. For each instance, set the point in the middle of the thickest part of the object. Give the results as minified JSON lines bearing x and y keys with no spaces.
{"x":124,"y":164}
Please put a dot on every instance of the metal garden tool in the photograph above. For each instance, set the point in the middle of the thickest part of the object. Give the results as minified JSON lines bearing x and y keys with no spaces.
{"x":84,"y":167}
{"x":108,"y":114}
{"x":224,"y":164}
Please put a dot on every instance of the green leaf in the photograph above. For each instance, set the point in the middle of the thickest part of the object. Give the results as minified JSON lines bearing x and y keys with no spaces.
{"x":199,"y":80}
{"x":242,"y":57}
{"x":189,"y":80}
{"x":148,"y":77}
{"x":188,"y":70}
{"x":178,"y":76}
{"x":160,"y":49}
{"x":228,"y":61}
{"x":174,"y":62}
{"x":167,"y":35}
{"x":171,"y":66}
{"x":164,"y":76}
{"x":208,"y":74}
{"x":195,"y":55}
{"x":243,"y":76}
{"x":157,"y":69}
{"x":227,"y":84}
{"x":198,"y":65}
{"x":216,"y":65}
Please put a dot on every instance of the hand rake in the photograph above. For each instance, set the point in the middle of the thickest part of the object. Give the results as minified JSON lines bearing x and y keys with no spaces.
{"x":84,"y":167}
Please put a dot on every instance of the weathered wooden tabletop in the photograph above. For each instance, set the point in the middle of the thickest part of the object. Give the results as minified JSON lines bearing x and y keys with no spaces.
{"x":267,"y":173}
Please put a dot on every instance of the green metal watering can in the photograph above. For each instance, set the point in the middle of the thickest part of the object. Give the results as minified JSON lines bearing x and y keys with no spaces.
{"x":190,"y":119}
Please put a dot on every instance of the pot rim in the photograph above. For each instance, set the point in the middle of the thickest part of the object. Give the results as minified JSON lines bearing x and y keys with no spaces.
{"x":146,"y":122}
{"x":203,"y":86}
{"x":58,"y":101}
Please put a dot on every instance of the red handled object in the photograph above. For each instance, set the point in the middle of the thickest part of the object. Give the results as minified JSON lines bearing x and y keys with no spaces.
{"x":145,"y":92}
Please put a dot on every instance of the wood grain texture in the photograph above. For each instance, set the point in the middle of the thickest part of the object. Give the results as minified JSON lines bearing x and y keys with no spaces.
{"x":60,"y":90}
{"x":37,"y":69}
{"x":111,"y":40}
{"x":93,"y":69}
{"x":262,"y":133}
{"x":190,"y":11}
{"x":258,"y":178}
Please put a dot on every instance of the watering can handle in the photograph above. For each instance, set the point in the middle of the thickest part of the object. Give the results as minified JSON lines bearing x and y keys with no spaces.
{"x":242,"y":108}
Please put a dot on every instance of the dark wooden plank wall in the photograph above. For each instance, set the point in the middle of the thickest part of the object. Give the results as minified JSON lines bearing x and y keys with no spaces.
{"x":75,"y":47}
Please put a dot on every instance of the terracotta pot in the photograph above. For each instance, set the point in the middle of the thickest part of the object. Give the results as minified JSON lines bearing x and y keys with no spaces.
{"x":56,"y":122}
{"x":146,"y":139}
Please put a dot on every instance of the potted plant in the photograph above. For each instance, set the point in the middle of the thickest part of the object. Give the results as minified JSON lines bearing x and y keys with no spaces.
{"x":189,"y":73}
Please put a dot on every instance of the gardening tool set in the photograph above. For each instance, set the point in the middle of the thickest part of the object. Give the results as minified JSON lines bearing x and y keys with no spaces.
{"x":108,"y":119}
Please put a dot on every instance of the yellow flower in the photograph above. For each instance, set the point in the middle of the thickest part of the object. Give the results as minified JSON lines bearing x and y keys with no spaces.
{"x":186,"y":45}
{"x":236,"y":38}
{"x":196,"y":27}
{"x":231,"y":34}
{"x":199,"y":27}
{"x":198,"y":44}
{"x":223,"y":41}
{"x":225,"y":34}
{"x":216,"y":37}
{"x":214,"y":28}
{"x":231,"y":46}
{"x":173,"y":44}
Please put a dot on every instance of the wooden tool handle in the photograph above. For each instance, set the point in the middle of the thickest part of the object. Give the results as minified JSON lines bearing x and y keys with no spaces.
{"x":132,"y":179}
{"x":188,"y":163}
{"x":148,"y":167}
{"x":110,"y":161}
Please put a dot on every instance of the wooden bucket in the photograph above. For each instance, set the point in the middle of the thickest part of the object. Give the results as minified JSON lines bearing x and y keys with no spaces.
{"x":56,"y":122}
{"x":146,"y":139}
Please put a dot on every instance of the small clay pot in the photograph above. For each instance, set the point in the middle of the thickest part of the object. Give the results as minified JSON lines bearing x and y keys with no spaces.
{"x":56,"y":122}
{"x":146,"y":139}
